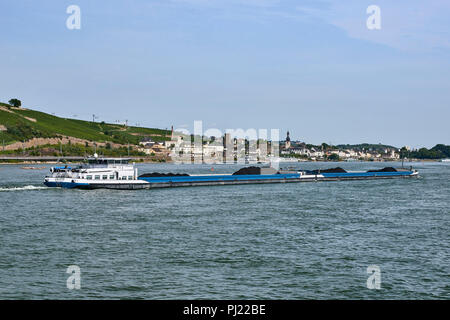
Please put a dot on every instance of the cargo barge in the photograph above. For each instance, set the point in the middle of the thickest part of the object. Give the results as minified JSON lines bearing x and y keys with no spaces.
{"x":113,"y":173}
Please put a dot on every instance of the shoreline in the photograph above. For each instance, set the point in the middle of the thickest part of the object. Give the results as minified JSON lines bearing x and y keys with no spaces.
{"x":67,"y":162}
{"x":34,"y":162}
{"x":71,"y":160}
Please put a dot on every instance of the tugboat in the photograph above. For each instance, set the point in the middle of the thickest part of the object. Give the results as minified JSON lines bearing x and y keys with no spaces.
{"x":96,"y":173}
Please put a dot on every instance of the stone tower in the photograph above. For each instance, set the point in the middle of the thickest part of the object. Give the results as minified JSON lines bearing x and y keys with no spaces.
{"x":288,"y":141}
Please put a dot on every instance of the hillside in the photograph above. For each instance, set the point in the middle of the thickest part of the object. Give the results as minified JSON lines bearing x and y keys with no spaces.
{"x":367,"y":147}
{"x":18,"y":125}
{"x":439,"y":151}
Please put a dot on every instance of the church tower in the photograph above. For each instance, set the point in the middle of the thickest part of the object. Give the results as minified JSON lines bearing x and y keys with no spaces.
{"x":288,"y":141}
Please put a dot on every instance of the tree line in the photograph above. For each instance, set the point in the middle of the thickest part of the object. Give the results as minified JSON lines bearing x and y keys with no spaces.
{"x":439,"y":151}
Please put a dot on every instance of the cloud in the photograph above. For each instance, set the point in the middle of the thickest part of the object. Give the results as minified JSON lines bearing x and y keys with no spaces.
{"x":406,"y":25}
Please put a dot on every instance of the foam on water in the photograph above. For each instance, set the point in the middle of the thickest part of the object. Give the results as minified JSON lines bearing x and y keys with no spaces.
{"x":30,"y":187}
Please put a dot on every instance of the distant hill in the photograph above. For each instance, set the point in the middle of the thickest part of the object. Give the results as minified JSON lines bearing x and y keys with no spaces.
{"x":20,"y":124}
{"x":439,"y":151}
{"x":367,"y":147}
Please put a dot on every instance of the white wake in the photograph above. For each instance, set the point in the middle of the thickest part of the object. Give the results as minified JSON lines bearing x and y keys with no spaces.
{"x":23,"y":188}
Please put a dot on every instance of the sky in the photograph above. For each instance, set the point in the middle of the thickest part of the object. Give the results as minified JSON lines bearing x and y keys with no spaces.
{"x":310,"y":67}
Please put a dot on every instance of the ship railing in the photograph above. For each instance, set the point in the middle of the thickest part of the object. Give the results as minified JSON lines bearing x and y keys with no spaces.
{"x":110,"y":166}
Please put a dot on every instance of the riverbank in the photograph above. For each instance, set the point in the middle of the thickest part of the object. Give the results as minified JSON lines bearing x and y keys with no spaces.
{"x":72,"y":160}
{"x":55,"y":160}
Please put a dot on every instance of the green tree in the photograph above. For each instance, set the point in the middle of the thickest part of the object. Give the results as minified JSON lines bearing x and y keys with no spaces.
{"x":325,"y":146}
{"x":15,"y":103}
{"x":333,"y":157}
{"x":443,"y":149}
{"x":404,"y":153}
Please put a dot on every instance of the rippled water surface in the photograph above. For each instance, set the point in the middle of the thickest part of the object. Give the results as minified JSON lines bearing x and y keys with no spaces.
{"x":275,"y":241}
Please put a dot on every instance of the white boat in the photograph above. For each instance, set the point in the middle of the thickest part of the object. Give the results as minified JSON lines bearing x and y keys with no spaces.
{"x":109,"y":173}
{"x":445,"y":160}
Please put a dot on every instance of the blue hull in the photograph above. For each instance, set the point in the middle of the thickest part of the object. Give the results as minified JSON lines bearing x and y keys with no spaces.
{"x":68,"y":185}
{"x":366,"y":174}
{"x":220,"y":178}
{"x":272,"y":177}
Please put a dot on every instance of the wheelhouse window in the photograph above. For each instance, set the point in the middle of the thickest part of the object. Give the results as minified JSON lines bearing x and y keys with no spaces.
{"x":97,"y":177}
{"x":107,"y":162}
{"x":97,"y":161}
{"x":130,"y":177}
{"x":117,"y":161}
{"x":105,"y":177}
{"x":124,"y":178}
{"x":111,"y":177}
{"x":89,"y":177}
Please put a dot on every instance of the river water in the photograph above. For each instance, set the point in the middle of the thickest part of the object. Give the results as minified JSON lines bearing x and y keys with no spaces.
{"x":310,"y":240}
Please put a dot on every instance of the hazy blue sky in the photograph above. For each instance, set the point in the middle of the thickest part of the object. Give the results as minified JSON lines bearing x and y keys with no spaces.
{"x":311,"y":67}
